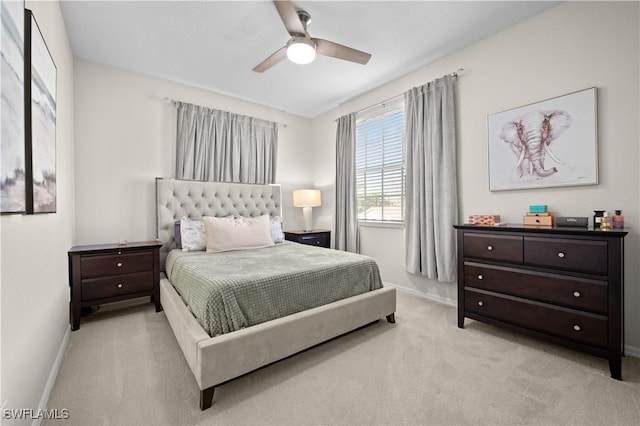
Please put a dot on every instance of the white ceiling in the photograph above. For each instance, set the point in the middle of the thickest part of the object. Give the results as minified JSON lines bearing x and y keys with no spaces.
{"x":215,"y":44}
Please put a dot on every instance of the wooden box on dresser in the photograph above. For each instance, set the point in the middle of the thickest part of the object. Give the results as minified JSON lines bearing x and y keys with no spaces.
{"x":110,"y":273}
{"x":564,"y":285}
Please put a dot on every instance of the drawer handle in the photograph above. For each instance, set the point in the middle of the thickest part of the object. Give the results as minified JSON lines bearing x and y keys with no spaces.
{"x":576,"y":327}
{"x":576,"y":294}
{"x":481,"y":303}
{"x":119,"y":285}
{"x":480,"y":277}
{"x":119,"y":264}
{"x":489,"y":248}
{"x":560,"y":254}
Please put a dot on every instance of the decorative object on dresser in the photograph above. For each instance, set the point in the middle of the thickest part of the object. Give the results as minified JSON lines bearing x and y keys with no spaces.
{"x":576,"y":221}
{"x":565,"y":285}
{"x":307,"y":199}
{"x":484,"y":219}
{"x":109,"y":273}
{"x":315,"y":237}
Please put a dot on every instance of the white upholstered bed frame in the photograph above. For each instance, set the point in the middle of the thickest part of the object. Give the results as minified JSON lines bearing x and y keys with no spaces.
{"x":215,"y":360}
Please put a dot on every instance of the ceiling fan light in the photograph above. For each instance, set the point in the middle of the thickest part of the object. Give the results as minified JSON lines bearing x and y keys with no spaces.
{"x":301,"y":50}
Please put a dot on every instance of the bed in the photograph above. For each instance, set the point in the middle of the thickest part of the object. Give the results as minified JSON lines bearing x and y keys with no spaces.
{"x":216,"y":360}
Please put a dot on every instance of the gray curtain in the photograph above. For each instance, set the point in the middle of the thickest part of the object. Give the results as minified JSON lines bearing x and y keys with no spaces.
{"x":431,"y":191}
{"x":345,"y":235}
{"x":220,"y":146}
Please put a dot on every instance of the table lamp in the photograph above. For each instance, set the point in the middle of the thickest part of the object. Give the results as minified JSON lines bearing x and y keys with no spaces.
{"x":307,"y":199}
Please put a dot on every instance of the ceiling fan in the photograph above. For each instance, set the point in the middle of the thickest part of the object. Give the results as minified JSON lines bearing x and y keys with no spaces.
{"x":302,"y":48}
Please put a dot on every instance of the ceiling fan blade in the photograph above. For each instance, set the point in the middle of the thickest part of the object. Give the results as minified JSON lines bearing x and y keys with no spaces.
{"x":278,"y":56}
{"x":335,"y":50}
{"x":289,"y":17}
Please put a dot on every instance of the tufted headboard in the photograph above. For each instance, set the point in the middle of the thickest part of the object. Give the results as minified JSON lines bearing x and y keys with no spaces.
{"x":194,"y":199}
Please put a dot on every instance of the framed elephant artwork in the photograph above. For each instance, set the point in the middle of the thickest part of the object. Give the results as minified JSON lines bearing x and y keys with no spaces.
{"x":545,"y":144}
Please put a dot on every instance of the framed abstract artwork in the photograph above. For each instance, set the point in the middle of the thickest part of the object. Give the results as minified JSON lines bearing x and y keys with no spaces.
{"x":40,"y":121}
{"x":545,"y":144}
{"x":12,"y":149}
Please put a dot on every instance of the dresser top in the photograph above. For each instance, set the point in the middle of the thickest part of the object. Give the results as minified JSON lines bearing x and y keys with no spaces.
{"x":559,"y":230}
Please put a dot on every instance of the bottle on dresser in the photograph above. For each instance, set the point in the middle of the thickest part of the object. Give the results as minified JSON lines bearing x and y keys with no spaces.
{"x":618,"y":220}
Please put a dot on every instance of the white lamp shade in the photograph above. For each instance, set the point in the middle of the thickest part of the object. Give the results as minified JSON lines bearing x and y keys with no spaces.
{"x":301,"y":50}
{"x":306,"y":198}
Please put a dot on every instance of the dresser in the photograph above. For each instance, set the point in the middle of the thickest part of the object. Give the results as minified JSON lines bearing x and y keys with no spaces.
{"x":315,"y":237}
{"x":564,"y":285}
{"x":109,"y":273}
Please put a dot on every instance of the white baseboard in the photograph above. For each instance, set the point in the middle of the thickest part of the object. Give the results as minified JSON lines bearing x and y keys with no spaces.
{"x":628,"y":350}
{"x":52,"y":375}
{"x":432,"y":297}
{"x":631,"y":351}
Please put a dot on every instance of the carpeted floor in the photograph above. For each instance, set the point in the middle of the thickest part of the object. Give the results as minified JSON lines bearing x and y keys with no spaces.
{"x":123,"y":366}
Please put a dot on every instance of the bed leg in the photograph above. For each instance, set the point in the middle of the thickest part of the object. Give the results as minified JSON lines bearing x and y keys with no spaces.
{"x":206,"y":397}
{"x":391,"y":318}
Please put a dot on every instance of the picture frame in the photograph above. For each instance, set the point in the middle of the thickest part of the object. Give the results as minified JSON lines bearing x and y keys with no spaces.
{"x":12,"y":146}
{"x":40,"y":121}
{"x":545,"y":144}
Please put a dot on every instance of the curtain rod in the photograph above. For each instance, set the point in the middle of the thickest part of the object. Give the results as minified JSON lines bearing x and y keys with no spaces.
{"x":170,"y":100}
{"x":454,"y":74}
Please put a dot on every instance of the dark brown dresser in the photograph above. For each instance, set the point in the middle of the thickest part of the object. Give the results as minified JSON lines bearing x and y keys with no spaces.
{"x":315,"y":237}
{"x":109,"y":273}
{"x":564,"y":285}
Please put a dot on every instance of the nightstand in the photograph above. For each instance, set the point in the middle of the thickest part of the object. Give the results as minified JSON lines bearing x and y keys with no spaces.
{"x":108,"y":273}
{"x":315,"y":237}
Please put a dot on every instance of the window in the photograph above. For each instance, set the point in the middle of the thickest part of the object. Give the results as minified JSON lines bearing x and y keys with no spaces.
{"x":380,"y":162}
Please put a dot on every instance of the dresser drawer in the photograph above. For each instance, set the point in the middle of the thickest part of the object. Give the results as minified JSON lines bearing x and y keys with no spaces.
{"x":507,"y":248}
{"x":566,"y":323}
{"x":567,"y":254}
{"x":580,"y":293}
{"x":102,"y":288}
{"x":116,"y":264}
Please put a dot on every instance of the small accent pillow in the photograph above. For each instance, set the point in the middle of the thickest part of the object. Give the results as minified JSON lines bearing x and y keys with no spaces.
{"x":276,"y":230}
{"x":228,"y":233}
{"x":192,"y":235}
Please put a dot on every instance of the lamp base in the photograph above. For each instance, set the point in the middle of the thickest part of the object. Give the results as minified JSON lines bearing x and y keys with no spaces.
{"x":308,"y":218}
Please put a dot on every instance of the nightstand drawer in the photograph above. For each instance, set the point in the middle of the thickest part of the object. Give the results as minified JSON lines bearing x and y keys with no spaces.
{"x":102,"y":288}
{"x":116,"y":264}
{"x":312,"y":238}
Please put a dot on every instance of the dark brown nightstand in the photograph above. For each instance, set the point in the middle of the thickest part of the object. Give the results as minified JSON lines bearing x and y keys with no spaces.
{"x":109,"y":273}
{"x":315,"y":237}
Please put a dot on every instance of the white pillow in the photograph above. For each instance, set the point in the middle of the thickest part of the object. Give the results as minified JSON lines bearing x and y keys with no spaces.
{"x":192,"y":234}
{"x":228,"y":233}
{"x":276,"y":230}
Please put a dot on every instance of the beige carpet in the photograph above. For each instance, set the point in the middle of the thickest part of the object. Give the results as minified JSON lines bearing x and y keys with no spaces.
{"x":124,"y":367}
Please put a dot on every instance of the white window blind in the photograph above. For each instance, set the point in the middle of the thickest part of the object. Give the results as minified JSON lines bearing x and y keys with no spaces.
{"x":380,"y":162}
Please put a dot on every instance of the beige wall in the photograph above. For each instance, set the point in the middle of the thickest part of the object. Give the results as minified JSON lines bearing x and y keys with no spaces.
{"x":34,"y":284}
{"x":574,"y":46}
{"x":125,"y":137}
